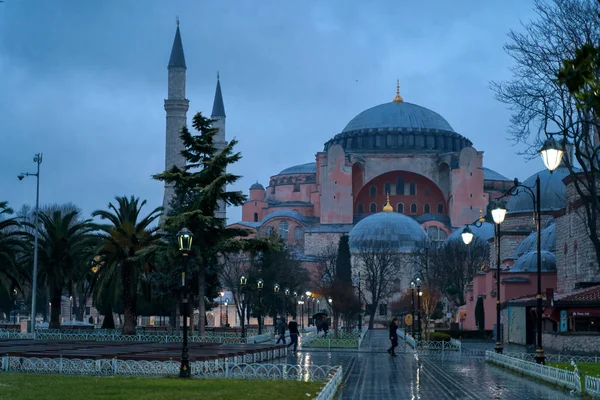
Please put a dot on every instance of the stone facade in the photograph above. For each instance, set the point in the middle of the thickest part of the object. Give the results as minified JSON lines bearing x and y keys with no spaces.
{"x":572,"y":343}
{"x":575,"y":256}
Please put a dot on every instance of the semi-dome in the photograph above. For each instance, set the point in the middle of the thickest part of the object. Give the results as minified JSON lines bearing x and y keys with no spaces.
{"x":308,"y":168}
{"x":484,"y":232}
{"x":552,"y":190}
{"x":528,"y":262}
{"x":257,"y":186}
{"x":399,"y":126}
{"x":548,"y":241}
{"x":386,"y":230}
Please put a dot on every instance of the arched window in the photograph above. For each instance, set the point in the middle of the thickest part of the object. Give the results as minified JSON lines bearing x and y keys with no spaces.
{"x":400,"y":185}
{"x":440,"y":208}
{"x":433,"y":234}
{"x":360,"y":209}
{"x":283,"y":230}
{"x":298,"y":234}
{"x":426,"y":209}
{"x":387,"y":188}
{"x":268,"y":230}
{"x":373,"y":207}
{"x":255,"y":217}
{"x":400,"y":207}
{"x":413,"y":189}
{"x":413,"y":208}
{"x":373,"y":191}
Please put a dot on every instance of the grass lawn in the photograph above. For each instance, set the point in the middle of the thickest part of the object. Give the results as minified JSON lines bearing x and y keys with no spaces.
{"x":591,"y":369}
{"x":61,"y":387}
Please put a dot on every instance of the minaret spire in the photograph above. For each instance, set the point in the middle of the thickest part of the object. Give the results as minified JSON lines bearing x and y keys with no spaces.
{"x":398,"y":98}
{"x":218,"y":106}
{"x":176,"y":106}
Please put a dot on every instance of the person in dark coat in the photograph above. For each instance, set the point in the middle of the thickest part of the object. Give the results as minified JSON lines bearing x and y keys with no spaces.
{"x":393,"y":336}
{"x":293,"y":328}
{"x":281,"y":331}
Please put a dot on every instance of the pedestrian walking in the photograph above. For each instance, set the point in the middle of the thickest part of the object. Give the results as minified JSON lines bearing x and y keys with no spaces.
{"x":293,"y":328}
{"x":281,"y":331}
{"x":393,"y":336}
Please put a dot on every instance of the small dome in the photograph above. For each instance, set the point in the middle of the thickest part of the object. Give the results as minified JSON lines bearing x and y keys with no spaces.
{"x":491,"y":175}
{"x":383,"y":229}
{"x":399,"y":115}
{"x":528,"y":262}
{"x":530,"y":242}
{"x":484,"y":232}
{"x":552,"y":189}
{"x":308,"y":168}
{"x":257,"y":186}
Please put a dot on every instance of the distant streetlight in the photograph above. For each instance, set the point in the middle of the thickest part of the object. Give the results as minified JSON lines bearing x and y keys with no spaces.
{"x":38,"y":160}
{"x":498,"y":214}
{"x":184,"y":240}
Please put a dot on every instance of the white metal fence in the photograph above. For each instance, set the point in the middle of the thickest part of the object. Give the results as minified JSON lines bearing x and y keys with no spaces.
{"x":333,"y":383}
{"x":592,"y":386}
{"x":552,"y":375}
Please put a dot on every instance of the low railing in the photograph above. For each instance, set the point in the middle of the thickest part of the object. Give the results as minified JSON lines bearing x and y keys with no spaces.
{"x":592,"y":386}
{"x":363,"y":332}
{"x":556,"y":357}
{"x":429,"y":345}
{"x":555,"y":376}
{"x":158,"y":337}
{"x":200,"y":369}
{"x":333,"y":383}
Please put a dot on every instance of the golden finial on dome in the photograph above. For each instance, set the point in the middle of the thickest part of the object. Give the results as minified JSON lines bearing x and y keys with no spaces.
{"x":388,"y":207}
{"x":398,"y":98}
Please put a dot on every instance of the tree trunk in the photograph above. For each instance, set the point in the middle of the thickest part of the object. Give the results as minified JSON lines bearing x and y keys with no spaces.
{"x":82,"y":301}
{"x":128,"y":300}
{"x":201,"y":301}
{"x":372,"y":317}
{"x":336,"y":325}
{"x":55,"y":309}
{"x":109,"y":321}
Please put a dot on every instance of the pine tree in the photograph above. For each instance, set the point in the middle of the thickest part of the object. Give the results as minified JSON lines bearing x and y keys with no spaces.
{"x":199,"y":187}
{"x":343,"y":265}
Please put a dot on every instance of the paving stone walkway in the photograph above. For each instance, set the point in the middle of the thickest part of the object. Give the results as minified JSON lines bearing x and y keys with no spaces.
{"x":375,"y":375}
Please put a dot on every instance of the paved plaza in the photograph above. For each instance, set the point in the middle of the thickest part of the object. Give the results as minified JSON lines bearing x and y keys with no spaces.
{"x":375,"y":375}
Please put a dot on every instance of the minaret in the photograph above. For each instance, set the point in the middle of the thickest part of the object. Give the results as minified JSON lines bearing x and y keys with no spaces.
{"x":176,"y":106}
{"x":218,"y":115}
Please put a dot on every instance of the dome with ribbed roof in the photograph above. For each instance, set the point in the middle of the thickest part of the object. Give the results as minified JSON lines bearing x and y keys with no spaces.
{"x":399,"y":126}
{"x":386,"y":231}
{"x":548,"y":241}
{"x":528,"y":262}
{"x":552,"y":189}
{"x":257,"y":186}
{"x":308,"y":168}
{"x":484,"y":232}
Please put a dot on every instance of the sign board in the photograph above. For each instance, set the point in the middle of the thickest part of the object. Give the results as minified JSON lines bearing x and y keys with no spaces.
{"x":563,"y":321}
{"x":408,"y":319}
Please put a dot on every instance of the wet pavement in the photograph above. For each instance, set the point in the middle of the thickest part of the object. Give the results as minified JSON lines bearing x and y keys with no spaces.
{"x":375,"y":375}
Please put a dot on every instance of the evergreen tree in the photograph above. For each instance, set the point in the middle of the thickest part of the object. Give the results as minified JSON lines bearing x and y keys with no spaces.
{"x":199,"y":187}
{"x":343,"y":263}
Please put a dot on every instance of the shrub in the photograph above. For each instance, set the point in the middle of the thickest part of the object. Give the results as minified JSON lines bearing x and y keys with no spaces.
{"x":439,"y":337}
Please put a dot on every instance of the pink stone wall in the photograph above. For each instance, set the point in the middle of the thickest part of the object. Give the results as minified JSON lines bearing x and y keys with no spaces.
{"x":336,"y":188}
{"x":251,"y":207}
{"x":485,"y":284}
{"x":257,"y":194}
{"x":466,"y":187}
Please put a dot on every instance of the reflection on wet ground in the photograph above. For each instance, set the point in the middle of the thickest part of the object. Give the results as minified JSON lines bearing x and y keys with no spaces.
{"x":375,"y":375}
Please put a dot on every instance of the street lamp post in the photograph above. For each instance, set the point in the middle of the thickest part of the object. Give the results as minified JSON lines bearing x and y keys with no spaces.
{"x":70,"y":308}
{"x":301,"y":303}
{"x":243,"y":282}
{"x":226,"y":312}
{"x":308,"y":300}
{"x":38,"y":160}
{"x":221,"y":294}
{"x":412,"y":303}
{"x":498,"y":213}
{"x":184,"y":239}
{"x":295,"y":295}
{"x":276,"y":288}
{"x":419,"y":294}
{"x":15,"y":296}
{"x":285,"y":305}
{"x":259,"y":285}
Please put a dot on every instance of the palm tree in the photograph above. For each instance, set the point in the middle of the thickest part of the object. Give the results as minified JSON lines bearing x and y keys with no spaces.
{"x":126,"y":236}
{"x":66,"y":244}
{"x":11,"y":246}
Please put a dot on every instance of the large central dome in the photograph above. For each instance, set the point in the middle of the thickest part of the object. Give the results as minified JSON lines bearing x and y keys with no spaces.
{"x":399,"y":126}
{"x":398,"y":115}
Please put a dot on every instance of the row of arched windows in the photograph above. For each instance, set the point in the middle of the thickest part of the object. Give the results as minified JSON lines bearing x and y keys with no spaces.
{"x":387,"y":188}
{"x":400,"y":208}
{"x":284,"y":229}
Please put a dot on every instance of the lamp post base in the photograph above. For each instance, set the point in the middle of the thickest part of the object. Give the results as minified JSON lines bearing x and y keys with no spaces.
{"x":499,"y":348}
{"x":539,"y":356}
{"x":184,"y":369}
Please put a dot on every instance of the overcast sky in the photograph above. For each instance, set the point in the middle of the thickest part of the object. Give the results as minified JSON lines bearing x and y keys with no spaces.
{"x":83,"y":81}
